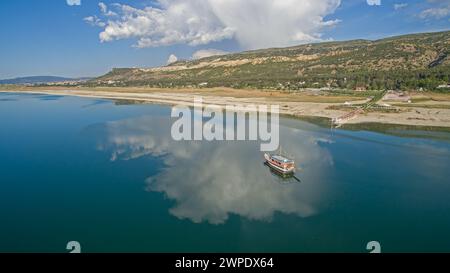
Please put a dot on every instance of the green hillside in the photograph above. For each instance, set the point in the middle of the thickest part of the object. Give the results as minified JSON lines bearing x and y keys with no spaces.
{"x":404,"y":62}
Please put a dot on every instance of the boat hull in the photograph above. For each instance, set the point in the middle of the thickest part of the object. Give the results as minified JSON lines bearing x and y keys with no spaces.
{"x":273,"y":166}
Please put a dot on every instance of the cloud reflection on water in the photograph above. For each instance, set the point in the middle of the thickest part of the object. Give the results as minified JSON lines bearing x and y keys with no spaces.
{"x":209,"y":181}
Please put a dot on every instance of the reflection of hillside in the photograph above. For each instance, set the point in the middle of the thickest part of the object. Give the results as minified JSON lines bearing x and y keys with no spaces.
{"x":211,"y":180}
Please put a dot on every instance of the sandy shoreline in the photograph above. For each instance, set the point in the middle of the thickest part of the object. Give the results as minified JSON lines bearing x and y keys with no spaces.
{"x":417,"y":116}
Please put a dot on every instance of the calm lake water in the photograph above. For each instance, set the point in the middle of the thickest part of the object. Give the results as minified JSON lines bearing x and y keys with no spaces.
{"x":111,"y":177}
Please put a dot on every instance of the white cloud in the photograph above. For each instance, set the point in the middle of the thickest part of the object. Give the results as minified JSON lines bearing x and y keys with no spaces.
{"x":445,"y":2}
{"x":105,"y":11}
{"x":103,"y":7}
{"x":204,"y":53}
{"x":436,"y":13}
{"x":94,"y":21}
{"x":400,"y":6}
{"x":73,"y":2}
{"x":374,"y":2}
{"x":172,"y":59}
{"x":441,"y":10}
{"x":253,"y":23}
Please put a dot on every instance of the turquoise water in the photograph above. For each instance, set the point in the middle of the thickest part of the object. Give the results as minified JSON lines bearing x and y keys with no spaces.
{"x":110,"y":176}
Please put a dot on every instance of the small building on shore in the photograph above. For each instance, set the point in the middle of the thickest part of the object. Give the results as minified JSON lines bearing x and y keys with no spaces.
{"x":361,"y":88}
{"x":397,"y":96}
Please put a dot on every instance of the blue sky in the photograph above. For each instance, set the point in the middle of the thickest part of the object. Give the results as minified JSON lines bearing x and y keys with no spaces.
{"x":51,"y":37}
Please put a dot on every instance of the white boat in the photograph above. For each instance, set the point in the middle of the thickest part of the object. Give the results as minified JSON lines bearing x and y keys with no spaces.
{"x":280,"y":163}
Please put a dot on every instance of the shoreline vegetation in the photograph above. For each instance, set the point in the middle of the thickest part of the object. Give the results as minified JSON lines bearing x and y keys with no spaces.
{"x":424,"y":109}
{"x":402,"y":80}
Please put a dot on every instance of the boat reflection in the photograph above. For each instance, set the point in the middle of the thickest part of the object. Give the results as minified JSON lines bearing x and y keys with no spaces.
{"x":209,"y":181}
{"x":283,"y":178}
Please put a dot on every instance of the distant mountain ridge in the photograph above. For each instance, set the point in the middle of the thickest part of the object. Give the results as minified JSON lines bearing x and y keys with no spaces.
{"x":402,"y":62}
{"x":39,"y":79}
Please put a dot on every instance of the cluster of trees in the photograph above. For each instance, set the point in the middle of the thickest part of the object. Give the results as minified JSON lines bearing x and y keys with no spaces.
{"x":286,"y":77}
{"x":427,"y":80}
{"x":395,"y":80}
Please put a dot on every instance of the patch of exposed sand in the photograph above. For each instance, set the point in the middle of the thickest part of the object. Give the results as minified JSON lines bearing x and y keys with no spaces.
{"x":408,"y":115}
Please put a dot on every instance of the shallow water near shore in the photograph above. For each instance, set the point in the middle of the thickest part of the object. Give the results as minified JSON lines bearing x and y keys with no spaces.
{"x":109,"y":176}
